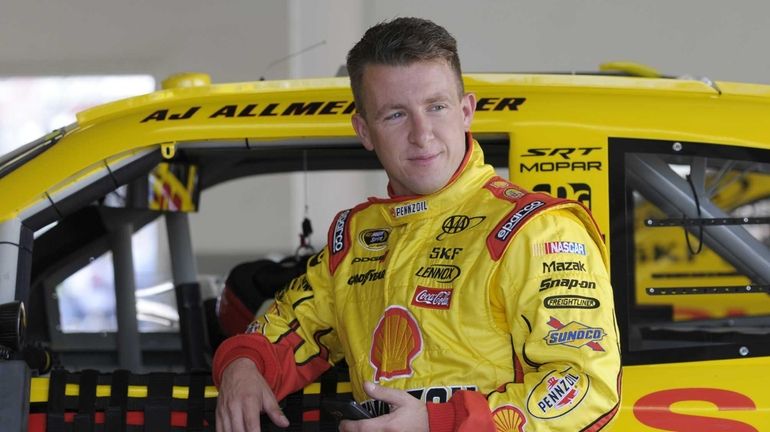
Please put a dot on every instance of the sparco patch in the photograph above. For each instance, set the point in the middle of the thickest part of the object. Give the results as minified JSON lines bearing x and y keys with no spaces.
{"x":338,"y":238}
{"x":516,"y":218}
{"x":432,"y":298}
{"x":410,"y":209}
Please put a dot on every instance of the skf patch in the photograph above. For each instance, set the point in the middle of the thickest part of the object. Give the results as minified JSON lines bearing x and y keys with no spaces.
{"x":396,"y":342}
{"x":556,"y":247}
{"x":409,"y":209}
{"x":557,"y":394}
{"x":503,"y":189}
{"x":574,"y":335}
{"x":508,"y":418}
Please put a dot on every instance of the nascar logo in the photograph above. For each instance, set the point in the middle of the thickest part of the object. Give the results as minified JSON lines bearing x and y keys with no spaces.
{"x":559,"y":247}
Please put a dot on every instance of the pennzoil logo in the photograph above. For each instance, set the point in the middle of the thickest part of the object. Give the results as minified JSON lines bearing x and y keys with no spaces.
{"x":508,"y":418}
{"x":409,"y":209}
{"x":575,"y":335}
{"x":374,"y":239}
{"x":338,"y":241}
{"x":557,"y":394}
{"x":458,"y":223}
{"x":396,"y":342}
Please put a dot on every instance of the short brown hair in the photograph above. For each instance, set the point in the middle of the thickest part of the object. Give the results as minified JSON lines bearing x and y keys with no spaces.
{"x":401,"y":42}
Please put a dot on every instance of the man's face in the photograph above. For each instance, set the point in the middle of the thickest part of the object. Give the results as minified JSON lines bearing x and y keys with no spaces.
{"x":415,"y":120}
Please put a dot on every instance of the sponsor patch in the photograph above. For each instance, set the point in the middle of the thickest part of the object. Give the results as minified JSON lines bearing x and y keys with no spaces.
{"x":254,"y":327}
{"x":396,"y":341}
{"x":548,"y":283}
{"x":575,"y":335}
{"x":557,"y":394}
{"x":379,"y":258}
{"x":374,"y":239}
{"x":439,"y":394}
{"x":570,"y":302}
{"x":556,"y":266}
{"x":443,"y":273}
{"x":364,"y":278}
{"x":508,"y":418}
{"x":432,"y":298}
{"x":458,"y":223}
{"x":410,"y":209}
{"x":338,"y":238}
{"x":507,"y":228}
{"x":503,"y":189}
{"x":444,"y":253}
{"x":559,"y":247}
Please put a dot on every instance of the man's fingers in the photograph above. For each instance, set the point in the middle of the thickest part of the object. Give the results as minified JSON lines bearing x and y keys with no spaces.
{"x":385,"y":394}
{"x":271,"y":408}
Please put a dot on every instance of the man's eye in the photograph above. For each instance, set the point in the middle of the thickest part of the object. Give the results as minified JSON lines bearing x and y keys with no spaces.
{"x":437,"y":107}
{"x":394,"y":116}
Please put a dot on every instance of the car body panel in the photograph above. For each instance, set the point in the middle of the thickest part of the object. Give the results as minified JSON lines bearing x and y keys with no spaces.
{"x":560,"y":129}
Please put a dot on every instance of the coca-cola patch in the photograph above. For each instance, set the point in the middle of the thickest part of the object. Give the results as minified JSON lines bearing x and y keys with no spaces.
{"x":432,"y":298}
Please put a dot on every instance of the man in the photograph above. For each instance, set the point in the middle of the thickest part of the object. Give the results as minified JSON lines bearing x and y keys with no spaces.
{"x":461,"y":302}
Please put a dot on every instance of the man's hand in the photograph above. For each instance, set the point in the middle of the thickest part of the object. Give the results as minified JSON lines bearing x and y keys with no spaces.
{"x":243,"y":395}
{"x":406,"y":412}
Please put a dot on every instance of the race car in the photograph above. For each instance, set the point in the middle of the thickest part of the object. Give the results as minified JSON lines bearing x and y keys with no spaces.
{"x":675,"y":170}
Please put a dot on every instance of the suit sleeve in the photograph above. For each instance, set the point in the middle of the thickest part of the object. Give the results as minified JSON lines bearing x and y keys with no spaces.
{"x":553,"y":295}
{"x":295,"y":341}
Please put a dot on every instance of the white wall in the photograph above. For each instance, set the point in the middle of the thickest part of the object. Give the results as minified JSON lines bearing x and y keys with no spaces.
{"x":242,"y":40}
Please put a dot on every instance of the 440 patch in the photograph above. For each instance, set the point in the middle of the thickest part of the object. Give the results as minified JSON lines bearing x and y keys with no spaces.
{"x":575,"y":335}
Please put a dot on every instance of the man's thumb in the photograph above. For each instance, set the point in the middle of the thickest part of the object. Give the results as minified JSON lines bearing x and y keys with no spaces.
{"x":385,"y":394}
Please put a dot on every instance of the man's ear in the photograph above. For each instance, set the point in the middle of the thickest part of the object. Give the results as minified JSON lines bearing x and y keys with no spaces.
{"x":468,"y":105}
{"x":362,"y":130}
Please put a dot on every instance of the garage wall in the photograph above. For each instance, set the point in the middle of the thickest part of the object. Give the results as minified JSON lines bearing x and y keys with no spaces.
{"x":242,"y":40}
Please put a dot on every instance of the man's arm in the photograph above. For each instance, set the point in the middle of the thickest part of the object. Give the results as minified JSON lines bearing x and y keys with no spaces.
{"x":290,"y":346}
{"x":557,"y":303}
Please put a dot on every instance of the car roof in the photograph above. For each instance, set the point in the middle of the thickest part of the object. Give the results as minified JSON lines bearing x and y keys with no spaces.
{"x":279,"y":112}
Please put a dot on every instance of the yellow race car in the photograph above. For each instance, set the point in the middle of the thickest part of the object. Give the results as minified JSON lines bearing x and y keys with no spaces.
{"x":675,"y":171}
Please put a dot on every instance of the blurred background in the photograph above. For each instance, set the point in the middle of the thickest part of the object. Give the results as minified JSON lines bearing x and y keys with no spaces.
{"x":60,"y":57}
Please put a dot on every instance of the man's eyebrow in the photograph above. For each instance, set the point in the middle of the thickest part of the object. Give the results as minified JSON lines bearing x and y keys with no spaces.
{"x":389,"y":107}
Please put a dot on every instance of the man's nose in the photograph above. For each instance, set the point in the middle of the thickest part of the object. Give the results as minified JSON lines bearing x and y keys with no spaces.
{"x":421,"y":130}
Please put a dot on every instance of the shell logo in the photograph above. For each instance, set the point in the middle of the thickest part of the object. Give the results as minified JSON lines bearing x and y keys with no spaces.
{"x":396,"y":342}
{"x":508,"y":418}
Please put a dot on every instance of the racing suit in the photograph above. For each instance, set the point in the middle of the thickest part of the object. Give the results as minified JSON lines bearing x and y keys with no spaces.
{"x":490,"y":303}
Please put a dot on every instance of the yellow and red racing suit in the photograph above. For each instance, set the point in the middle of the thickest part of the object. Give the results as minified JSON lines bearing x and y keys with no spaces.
{"x":491,"y":303}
